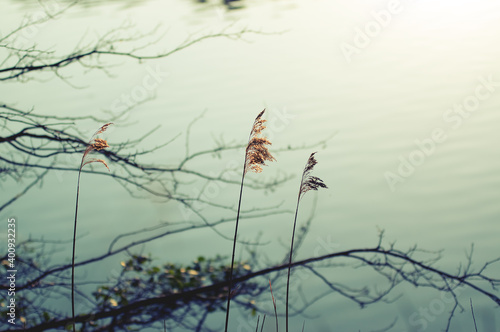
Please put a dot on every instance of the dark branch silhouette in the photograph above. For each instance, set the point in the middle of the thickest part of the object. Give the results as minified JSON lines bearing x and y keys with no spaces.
{"x":394,"y":265}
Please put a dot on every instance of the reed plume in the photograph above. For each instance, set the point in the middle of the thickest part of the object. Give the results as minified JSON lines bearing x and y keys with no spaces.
{"x":308,"y":182}
{"x":256,"y":155}
{"x":256,"y":152}
{"x":95,"y":144}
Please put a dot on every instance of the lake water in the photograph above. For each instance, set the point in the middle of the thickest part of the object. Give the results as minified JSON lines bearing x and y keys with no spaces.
{"x":406,"y":93}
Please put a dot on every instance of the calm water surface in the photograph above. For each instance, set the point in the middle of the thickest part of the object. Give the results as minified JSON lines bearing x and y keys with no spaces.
{"x":410,"y":104}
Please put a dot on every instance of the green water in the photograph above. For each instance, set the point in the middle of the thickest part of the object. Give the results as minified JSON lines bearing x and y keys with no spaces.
{"x":407,"y":93}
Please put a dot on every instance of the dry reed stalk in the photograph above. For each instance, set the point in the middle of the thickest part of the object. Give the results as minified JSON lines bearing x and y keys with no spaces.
{"x":274,"y":304}
{"x":256,"y":155}
{"x":308,"y":182}
{"x":96,"y":144}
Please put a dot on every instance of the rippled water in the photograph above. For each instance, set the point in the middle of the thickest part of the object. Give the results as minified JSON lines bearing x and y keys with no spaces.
{"x":409,"y":104}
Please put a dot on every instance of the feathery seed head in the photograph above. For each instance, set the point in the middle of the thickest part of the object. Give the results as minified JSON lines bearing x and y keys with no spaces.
{"x":258,"y":124}
{"x":94,"y":160}
{"x":96,"y":144}
{"x":103,"y":128}
{"x":99,"y":144}
{"x":310,"y":182}
{"x":256,"y":152}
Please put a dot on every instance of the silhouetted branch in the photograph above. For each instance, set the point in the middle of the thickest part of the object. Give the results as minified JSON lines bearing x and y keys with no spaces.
{"x":115,"y":43}
{"x":395,"y":265}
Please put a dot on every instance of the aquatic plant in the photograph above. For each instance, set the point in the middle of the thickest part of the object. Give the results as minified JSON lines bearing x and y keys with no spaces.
{"x":95,"y":144}
{"x":307,"y":183}
{"x":256,"y":155}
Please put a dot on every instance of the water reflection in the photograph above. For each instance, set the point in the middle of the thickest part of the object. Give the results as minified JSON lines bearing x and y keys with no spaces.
{"x":379,"y":119}
{"x":52,"y":5}
{"x":230,"y":4}
{"x":124,"y":4}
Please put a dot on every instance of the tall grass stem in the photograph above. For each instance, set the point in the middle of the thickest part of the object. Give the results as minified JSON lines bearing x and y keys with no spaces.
{"x":290,"y":263}
{"x":73,"y":256}
{"x":234,"y":251}
{"x":96,"y":144}
{"x":256,"y":154}
{"x":307,"y":183}
{"x":274,"y":304}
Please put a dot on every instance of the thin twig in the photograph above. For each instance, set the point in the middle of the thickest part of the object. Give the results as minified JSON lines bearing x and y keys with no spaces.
{"x":274,"y":304}
{"x":472,"y":310}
